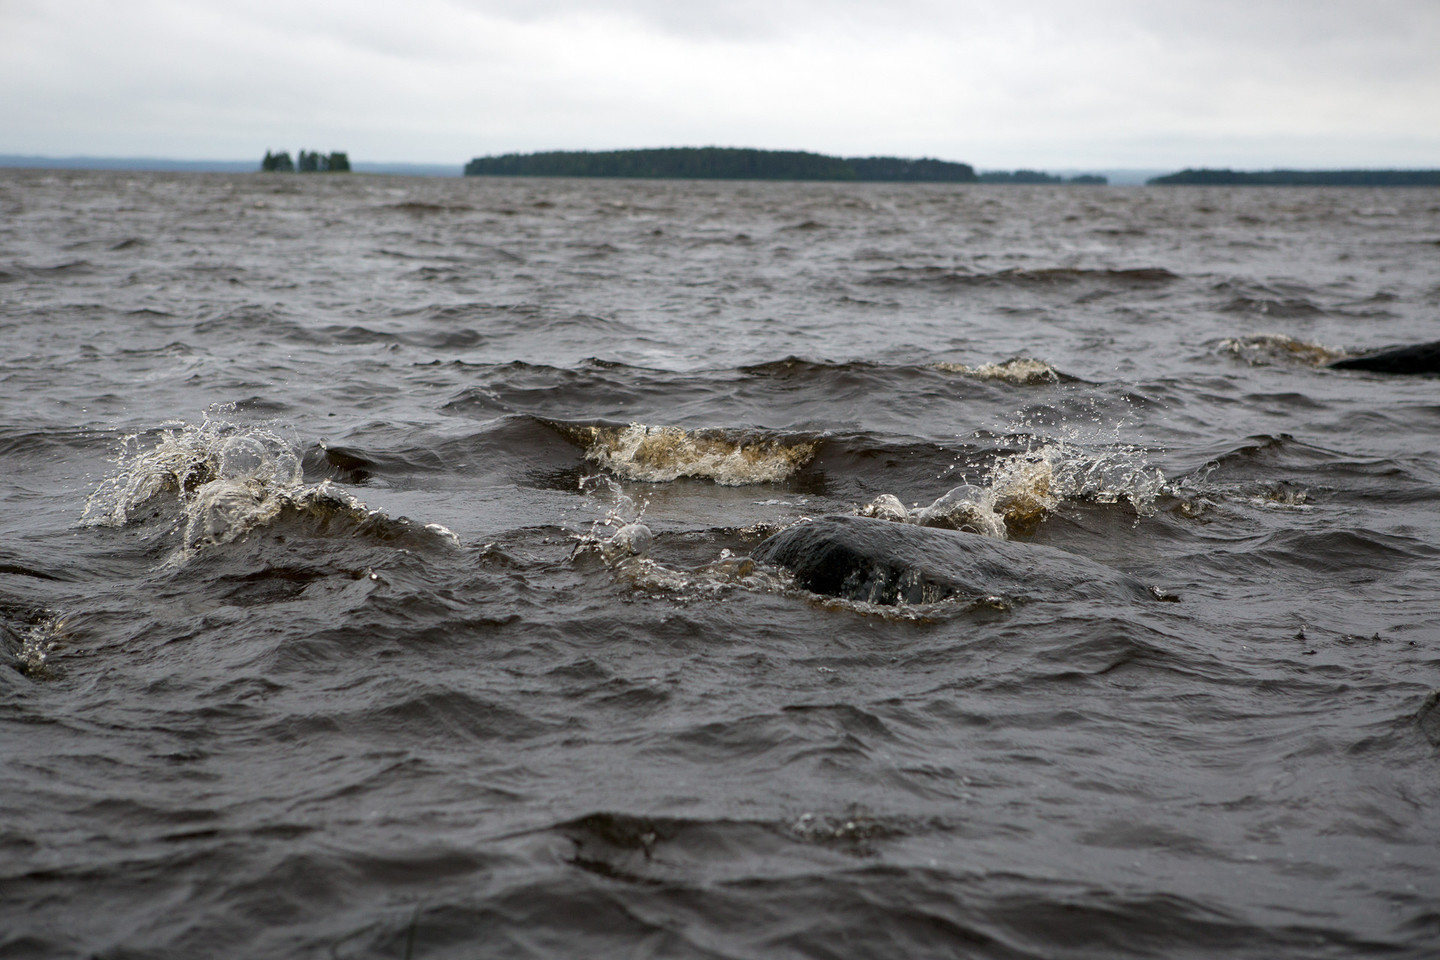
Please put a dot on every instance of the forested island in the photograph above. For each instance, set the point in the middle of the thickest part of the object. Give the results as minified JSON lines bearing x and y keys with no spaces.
{"x":1301,"y":178}
{"x":719,"y":163}
{"x":311,"y":161}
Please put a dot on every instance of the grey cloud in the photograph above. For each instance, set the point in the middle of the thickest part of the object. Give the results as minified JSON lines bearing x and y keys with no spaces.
{"x":724,"y":20}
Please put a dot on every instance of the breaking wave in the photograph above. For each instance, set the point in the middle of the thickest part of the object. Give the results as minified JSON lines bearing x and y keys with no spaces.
{"x":216,"y":481}
{"x":1263,"y":349}
{"x":1022,"y":489}
{"x":659,"y":454}
{"x":622,"y":540}
{"x":1024,"y":371}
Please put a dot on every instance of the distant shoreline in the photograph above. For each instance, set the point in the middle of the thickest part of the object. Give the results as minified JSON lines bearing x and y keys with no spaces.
{"x":166,"y":165}
{"x":1299,"y":178}
{"x":881,"y":169}
{"x":719,"y":163}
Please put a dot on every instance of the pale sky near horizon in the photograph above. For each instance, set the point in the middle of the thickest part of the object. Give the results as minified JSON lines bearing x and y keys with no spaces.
{"x":1047,"y":84}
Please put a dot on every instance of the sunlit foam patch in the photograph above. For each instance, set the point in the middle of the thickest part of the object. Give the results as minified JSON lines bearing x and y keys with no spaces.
{"x":659,"y":454}
{"x":1263,"y":349}
{"x":215,"y":481}
{"x":1024,"y":371}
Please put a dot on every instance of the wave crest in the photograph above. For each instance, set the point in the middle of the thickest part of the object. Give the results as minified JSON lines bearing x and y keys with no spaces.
{"x":218,"y":480}
{"x":659,"y":454}
{"x":1022,"y":489}
{"x":1022,"y":371}
{"x":1263,"y":349}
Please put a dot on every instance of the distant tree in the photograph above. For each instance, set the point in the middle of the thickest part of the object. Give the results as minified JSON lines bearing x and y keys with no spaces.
{"x":277,"y":162}
{"x":309,"y":161}
{"x":901,"y":170}
{"x":338,"y":162}
{"x":1036,"y":176}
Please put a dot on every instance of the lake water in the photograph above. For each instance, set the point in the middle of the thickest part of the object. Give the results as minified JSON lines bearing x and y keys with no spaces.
{"x":375,"y":577}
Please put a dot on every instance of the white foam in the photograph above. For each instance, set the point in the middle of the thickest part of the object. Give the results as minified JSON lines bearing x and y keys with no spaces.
{"x":216,"y":464}
{"x":886,"y":507}
{"x":216,"y":481}
{"x":37,"y":642}
{"x":1024,"y":371}
{"x":1263,"y":349}
{"x":1022,"y":489}
{"x":657,"y":454}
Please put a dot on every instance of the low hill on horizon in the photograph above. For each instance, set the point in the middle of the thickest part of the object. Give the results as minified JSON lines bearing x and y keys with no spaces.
{"x":719,"y":163}
{"x":1300,"y":178}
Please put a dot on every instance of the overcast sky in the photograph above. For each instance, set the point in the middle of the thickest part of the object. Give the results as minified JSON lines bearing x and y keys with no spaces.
{"x":1000,"y":84}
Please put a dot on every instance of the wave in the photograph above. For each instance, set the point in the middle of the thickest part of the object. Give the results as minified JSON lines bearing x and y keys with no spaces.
{"x":212,"y":483}
{"x":657,"y":454}
{"x":1044,"y":276}
{"x":22,"y":271}
{"x":28,"y":635}
{"x":1020,"y":490}
{"x":790,"y":392}
{"x":622,"y":541}
{"x":419,"y":208}
{"x":1023,"y":371}
{"x":1263,"y":349}
{"x":624,"y":845}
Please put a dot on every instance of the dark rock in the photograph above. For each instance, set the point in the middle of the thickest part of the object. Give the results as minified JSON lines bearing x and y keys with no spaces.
{"x":1417,"y":358}
{"x":878,"y":561}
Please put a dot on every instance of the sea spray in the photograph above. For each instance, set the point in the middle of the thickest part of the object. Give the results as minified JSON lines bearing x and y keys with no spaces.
{"x":213,"y":482}
{"x":1020,"y":490}
{"x":1022,"y":371}
{"x":657,"y":454}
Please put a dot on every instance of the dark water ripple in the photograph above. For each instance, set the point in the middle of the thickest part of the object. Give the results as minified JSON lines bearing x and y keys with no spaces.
{"x":326,"y":630}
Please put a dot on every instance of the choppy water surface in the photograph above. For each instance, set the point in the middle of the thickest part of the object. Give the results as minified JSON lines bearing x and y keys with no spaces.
{"x":375,"y":577}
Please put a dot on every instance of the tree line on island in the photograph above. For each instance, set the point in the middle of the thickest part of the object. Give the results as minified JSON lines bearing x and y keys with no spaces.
{"x":310,"y":161}
{"x":739,"y":163}
{"x":1300,"y":178}
{"x":716,"y":163}
{"x":1034,"y":176}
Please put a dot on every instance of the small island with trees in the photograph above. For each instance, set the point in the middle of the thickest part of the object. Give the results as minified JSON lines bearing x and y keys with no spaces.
{"x":1300,"y":178}
{"x":719,"y":163}
{"x":311,"y":161}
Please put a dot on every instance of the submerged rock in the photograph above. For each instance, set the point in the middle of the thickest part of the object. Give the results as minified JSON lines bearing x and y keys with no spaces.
{"x":1416,"y":358}
{"x":875,"y":561}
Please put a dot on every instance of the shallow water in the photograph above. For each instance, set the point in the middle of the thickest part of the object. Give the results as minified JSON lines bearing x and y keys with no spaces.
{"x":375,"y":577}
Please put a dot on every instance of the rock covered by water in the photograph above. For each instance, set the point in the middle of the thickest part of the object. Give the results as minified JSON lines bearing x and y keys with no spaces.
{"x":868,"y":560}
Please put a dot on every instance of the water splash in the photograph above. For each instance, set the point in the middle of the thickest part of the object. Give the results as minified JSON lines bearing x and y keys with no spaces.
{"x":623,"y":542}
{"x":37,"y":641}
{"x":217,"y":480}
{"x":217,"y":463}
{"x":1263,"y":349}
{"x":1020,"y":490}
{"x":1022,"y":371}
{"x":659,"y":454}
